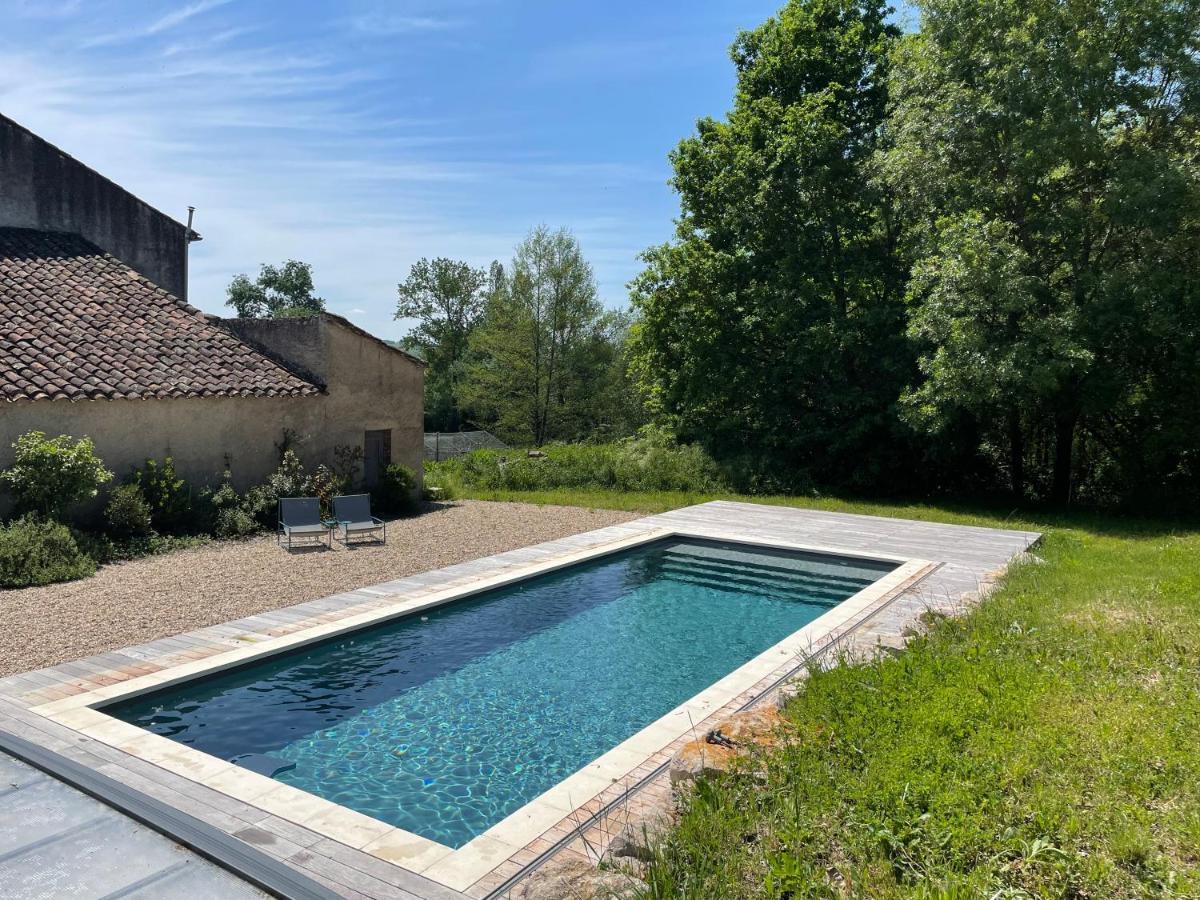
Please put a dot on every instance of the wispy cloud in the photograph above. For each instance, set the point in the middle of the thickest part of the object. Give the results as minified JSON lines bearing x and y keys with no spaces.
{"x":181,"y":15}
{"x":384,"y":24}
{"x":292,"y":145}
{"x":206,"y":41}
{"x":165,"y":22}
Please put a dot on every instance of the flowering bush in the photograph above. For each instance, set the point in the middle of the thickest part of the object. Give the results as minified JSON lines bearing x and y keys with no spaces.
{"x":49,"y":474}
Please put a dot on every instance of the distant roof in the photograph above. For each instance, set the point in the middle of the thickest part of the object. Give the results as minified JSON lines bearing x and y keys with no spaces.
{"x":78,"y":324}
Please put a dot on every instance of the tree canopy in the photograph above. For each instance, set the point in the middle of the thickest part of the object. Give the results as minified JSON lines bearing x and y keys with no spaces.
{"x":544,"y":358}
{"x":447,"y":298}
{"x":278,"y":292}
{"x":962,"y":257}
{"x":1045,"y":156}
{"x":774,"y":324}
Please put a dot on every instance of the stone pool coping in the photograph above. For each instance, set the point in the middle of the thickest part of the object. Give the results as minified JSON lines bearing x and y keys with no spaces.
{"x":64,"y":695}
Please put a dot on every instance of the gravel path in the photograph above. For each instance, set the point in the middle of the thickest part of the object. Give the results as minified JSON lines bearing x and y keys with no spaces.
{"x":160,"y":596}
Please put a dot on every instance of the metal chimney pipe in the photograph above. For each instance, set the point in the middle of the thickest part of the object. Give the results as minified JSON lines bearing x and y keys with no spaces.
{"x":187,"y":250}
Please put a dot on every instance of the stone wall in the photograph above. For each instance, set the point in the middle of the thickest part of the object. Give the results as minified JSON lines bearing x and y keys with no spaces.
{"x":42,"y":187}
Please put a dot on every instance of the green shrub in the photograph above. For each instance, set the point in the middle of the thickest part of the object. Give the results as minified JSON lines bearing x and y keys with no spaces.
{"x":395,"y":494}
{"x":169,"y":497}
{"x":37,"y":551}
{"x":49,"y":474}
{"x":127,"y":513}
{"x":439,"y":482}
{"x":234,"y":522}
{"x":230,"y":514}
{"x":347,"y":460}
{"x":261,"y":501}
{"x":324,"y":484}
{"x":105,"y":549}
{"x":224,"y":510}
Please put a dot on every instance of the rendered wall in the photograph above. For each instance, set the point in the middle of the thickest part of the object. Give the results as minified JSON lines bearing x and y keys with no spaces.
{"x":371,"y":387}
{"x":42,"y":187}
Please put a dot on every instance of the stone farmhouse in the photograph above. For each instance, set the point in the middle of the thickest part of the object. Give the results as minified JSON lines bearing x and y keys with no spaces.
{"x":97,"y":339}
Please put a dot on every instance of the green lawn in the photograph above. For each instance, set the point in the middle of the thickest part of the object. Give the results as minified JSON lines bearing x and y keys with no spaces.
{"x":1047,"y":745}
{"x":660,"y":501}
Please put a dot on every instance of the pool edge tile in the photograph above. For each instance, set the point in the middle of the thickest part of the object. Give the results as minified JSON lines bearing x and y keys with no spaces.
{"x":407,"y":850}
{"x":472,"y":861}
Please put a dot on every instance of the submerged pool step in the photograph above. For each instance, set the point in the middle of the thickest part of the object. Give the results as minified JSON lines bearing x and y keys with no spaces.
{"x":790,"y":585}
{"x":769,"y":582}
{"x":792,"y":592}
{"x":736,"y":566}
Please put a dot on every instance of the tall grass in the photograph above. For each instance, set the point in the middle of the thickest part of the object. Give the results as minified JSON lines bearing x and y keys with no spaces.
{"x":1044,"y":746}
{"x":635,"y":465}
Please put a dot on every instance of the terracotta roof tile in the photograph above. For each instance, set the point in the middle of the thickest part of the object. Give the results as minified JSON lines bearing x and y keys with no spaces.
{"x":76,"y":323}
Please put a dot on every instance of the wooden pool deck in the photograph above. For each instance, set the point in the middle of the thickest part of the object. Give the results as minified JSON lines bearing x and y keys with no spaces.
{"x":48,"y":706}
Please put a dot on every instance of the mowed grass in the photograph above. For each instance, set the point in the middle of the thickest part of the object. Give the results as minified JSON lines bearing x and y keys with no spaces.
{"x":1046,"y":745}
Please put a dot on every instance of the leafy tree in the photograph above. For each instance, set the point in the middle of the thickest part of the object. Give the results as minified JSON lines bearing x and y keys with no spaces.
{"x":1046,"y":157}
{"x":279,"y":292}
{"x":605,"y":398}
{"x":774,"y":325}
{"x":447,"y":298}
{"x":534,"y":351}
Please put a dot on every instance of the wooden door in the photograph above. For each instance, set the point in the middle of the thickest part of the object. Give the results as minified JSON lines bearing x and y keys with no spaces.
{"x":377,"y":456}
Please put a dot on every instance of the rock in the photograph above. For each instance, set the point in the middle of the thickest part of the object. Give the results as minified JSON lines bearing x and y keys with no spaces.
{"x":644,"y":827}
{"x":717,"y":751}
{"x":633,"y":841}
{"x":701,"y":758}
{"x":760,"y":726}
{"x":565,"y":878}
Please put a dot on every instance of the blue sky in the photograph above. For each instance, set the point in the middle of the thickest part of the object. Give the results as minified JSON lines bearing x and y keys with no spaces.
{"x":362,"y":135}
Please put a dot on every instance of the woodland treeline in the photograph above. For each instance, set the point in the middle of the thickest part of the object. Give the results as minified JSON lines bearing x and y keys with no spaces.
{"x":961,"y":260}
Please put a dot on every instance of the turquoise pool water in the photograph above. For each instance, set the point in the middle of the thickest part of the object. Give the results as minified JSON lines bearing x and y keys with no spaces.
{"x":445,"y":722}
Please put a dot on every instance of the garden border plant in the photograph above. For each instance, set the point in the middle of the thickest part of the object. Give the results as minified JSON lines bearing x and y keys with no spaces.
{"x":152,"y":511}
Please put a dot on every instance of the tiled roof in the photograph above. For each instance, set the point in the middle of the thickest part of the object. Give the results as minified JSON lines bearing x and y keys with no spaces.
{"x":76,"y":324}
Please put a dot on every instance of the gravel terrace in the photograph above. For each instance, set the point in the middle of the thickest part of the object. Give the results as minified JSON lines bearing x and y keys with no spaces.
{"x":160,"y":596}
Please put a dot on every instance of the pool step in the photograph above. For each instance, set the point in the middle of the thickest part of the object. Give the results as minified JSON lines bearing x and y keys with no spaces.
{"x":771,"y":580}
{"x":768,"y":582}
{"x":787,"y":586}
{"x":850,"y":577}
{"x":795,"y":591}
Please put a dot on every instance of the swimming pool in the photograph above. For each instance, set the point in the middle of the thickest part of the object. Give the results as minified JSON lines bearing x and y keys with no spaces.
{"x":444,"y":723}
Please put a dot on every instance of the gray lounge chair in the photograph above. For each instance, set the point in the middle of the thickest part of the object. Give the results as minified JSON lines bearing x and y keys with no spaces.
{"x":300,"y":520}
{"x":354,"y":519}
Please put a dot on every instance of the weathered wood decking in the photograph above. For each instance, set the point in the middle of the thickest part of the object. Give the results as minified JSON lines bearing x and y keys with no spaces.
{"x":969,"y":558}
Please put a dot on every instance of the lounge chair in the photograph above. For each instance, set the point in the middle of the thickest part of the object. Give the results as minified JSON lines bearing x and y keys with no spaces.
{"x":300,"y":520}
{"x":354,"y":519}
